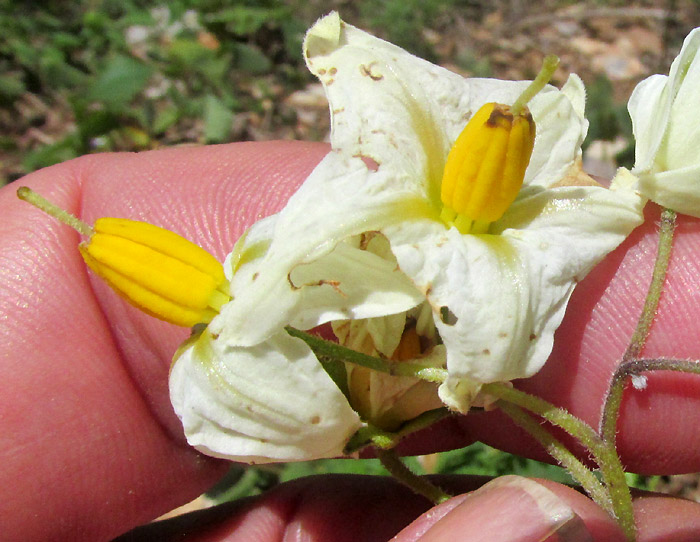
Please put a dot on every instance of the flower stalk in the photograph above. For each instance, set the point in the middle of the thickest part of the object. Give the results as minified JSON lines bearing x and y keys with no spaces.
{"x":613,"y":400}
{"x":560,"y":453}
{"x":419,"y":484}
{"x":603,"y":454}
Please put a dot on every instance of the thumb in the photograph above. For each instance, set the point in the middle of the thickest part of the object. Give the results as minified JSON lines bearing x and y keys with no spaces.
{"x":514,"y":509}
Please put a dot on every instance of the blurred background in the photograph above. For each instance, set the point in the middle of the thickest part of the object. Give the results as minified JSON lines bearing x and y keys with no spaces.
{"x":130,"y":75}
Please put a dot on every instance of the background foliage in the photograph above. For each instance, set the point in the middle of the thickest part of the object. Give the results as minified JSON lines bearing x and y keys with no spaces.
{"x":107,"y":75}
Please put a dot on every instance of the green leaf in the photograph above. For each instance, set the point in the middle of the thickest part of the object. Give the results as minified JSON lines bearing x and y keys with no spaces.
{"x":190,"y":53}
{"x":165,"y":119}
{"x":11,"y":86}
{"x":121,"y":80}
{"x":217,"y":120}
{"x":251,"y":60}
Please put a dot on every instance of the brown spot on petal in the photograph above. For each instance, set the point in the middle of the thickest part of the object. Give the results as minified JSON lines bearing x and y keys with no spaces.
{"x":367,"y":72}
{"x":447,"y":317}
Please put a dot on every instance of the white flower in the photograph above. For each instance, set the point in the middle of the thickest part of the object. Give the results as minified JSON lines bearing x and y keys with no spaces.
{"x":260,"y":404}
{"x":490,"y":303}
{"x":666,"y":123}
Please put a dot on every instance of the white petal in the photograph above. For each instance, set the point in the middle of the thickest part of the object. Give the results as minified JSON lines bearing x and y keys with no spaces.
{"x":678,"y":189}
{"x":666,"y":126}
{"x":307,"y":277}
{"x":267,"y":403}
{"x":649,"y":107}
{"x":405,"y":113}
{"x":497,"y":299}
{"x":561,"y":129}
{"x":458,"y":394}
{"x":680,"y":149}
{"x":386,"y":104}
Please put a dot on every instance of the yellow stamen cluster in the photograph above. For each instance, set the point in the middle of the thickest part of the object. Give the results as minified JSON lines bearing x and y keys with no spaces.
{"x":486,"y":167}
{"x":154,"y":269}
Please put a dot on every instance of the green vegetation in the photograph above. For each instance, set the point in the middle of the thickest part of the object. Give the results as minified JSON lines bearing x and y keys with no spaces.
{"x":477,"y":459}
{"x":105,"y":75}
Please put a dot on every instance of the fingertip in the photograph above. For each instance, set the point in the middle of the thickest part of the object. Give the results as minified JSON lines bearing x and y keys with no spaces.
{"x":667,"y":519}
{"x":515,"y":509}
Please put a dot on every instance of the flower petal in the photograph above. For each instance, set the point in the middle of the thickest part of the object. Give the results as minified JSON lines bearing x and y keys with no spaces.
{"x":307,"y":276}
{"x":405,"y":113}
{"x":271,"y":402}
{"x":497,"y":299}
{"x":678,"y":189}
{"x":649,"y":107}
{"x":666,"y":128}
{"x":561,"y":129}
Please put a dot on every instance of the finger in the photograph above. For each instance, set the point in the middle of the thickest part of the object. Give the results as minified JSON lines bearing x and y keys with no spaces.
{"x":666,"y":519}
{"x":88,"y":435}
{"x":515,"y":509}
{"x":340,"y":508}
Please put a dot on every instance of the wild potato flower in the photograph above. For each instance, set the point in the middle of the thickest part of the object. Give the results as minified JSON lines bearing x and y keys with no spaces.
{"x":666,"y":124}
{"x":373,"y":245}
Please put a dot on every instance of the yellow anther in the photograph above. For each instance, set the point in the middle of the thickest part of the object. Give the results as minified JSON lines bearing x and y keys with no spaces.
{"x":486,"y":167}
{"x":154,"y":269}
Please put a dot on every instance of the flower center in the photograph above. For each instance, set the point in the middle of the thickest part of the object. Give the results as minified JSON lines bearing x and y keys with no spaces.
{"x":154,"y":269}
{"x":486,"y":166}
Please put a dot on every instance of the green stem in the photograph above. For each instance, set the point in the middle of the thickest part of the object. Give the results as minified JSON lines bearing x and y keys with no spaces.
{"x":419,"y":484}
{"x":613,"y":400}
{"x":557,"y":416}
{"x":635,"y":367}
{"x":560,"y":453}
{"x":667,"y":227}
{"x":373,"y":436}
{"x":330,"y":350}
{"x":605,"y":456}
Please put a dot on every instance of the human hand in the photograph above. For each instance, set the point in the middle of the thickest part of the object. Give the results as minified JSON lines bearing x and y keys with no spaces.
{"x":91,"y":445}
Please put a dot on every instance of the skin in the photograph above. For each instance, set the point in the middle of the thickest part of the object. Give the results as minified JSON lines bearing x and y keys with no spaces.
{"x":90,"y":447}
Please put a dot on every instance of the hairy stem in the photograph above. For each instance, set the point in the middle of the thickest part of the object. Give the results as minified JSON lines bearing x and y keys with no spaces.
{"x":613,"y":400}
{"x":370,"y":435}
{"x":603,"y":454}
{"x":419,"y":484}
{"x":560,"y":453}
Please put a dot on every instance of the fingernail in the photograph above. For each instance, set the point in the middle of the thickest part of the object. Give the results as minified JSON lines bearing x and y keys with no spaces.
{"x":510,"y":509}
